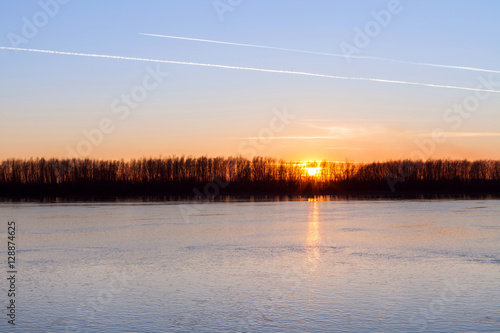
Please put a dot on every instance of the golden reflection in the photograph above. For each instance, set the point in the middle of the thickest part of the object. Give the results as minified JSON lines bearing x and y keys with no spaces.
{"x":312,"y":240}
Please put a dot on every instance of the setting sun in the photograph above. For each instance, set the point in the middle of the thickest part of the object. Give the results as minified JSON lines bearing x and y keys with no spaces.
{"x":312,"y":171}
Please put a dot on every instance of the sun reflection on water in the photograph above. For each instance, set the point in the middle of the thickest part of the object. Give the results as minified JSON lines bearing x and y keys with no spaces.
{"x":312,"y":238}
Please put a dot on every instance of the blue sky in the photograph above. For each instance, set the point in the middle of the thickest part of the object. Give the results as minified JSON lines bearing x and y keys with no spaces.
{"x":49,"y":100}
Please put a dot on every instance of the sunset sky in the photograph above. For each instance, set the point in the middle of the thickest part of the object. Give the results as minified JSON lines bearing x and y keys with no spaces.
{"x":52,"y":105}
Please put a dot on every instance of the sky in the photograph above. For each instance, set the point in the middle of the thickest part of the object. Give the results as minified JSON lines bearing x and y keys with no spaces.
{"x":257,"y":100}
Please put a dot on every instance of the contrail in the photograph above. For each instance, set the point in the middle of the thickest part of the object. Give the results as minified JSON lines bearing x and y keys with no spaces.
{"x":248,"y":69}
{"x":328,"y":54}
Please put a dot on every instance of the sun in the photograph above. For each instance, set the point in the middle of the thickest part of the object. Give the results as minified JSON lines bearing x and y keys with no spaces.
{"x":310,"y":168}
{"x":312,"y":171}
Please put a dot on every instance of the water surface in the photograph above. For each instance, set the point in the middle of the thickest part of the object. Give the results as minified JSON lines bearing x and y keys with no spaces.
{"x":253,"y":266}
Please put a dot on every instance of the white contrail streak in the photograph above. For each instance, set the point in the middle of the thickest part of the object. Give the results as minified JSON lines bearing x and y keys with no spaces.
{"x":328,"y":54}
{"x":248,"y":69}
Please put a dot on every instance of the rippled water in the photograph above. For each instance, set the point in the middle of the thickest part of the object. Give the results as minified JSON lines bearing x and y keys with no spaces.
{"x":261,"y":266}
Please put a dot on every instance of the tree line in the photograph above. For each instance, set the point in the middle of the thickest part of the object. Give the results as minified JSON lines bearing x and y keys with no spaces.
{"x":180,"y":175}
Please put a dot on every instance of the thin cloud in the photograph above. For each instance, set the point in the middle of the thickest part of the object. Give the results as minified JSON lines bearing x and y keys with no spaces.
{"x":342,"y":148}
{"x":337,"y":129}
{"x":299,"y":137}
{"x":471,"y":134}
{"x":328,"y":54}
{"x":249,"y":69}
{"x":293,"y":137}
{"x":339,"y":132}
{"x":451,"y":134}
